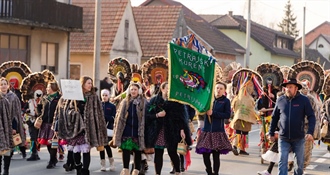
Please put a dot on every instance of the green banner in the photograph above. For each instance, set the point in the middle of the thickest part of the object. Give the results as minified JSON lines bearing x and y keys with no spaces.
{"x":191,"y":78}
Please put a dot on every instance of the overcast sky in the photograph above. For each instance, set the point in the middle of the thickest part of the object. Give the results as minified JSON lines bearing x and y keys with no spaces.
{"x":265,"y":12}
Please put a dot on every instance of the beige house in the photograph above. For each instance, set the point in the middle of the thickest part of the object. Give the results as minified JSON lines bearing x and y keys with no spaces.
{"x":38,"y":36}
{"x":266,"y":45}
{"x":119,"y":37}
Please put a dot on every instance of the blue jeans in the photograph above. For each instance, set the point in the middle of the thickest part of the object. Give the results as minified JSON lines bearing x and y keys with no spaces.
{"x":298,"y":150}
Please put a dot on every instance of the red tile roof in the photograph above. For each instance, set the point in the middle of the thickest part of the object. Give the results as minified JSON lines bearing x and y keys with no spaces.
{"x":112,"y":12}
{"x":155,"y":26}
{"x":323,"y":28}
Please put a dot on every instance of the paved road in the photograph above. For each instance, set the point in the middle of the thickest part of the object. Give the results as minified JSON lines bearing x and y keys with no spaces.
{"x":230,"y":164}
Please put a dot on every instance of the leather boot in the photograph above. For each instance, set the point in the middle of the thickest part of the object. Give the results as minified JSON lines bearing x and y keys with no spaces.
{"x":143,"y":165}
{"x":173,"y":169}
{"x":209,"y":171}
{"x":33,"y":157}
{"x":84,"y":171}
{"x":6,"y":165}
{"x":78,"y":169}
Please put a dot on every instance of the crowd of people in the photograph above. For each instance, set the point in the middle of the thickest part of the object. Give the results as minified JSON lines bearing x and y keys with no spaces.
{"x":148,"y":123}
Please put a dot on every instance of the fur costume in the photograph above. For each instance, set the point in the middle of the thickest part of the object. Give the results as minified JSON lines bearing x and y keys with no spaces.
{"x":316,"y":110}
{"x":15,"y":112}
{"x":71,"y":123}
{"x":243,"y":106}
{"x":121,"y":116}
{"x":5,"y":125}
{"x":172,"y":122}
{"x":325,"y":115}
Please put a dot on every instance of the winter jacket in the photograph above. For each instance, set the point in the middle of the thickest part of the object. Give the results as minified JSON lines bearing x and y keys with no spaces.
{"x":220,"y":111}
{"x":174,"y":120}
{"x":49,"y":108}
{"x":109,"y":113}
{"x":132,"y":122}
{"x":290,"y":114}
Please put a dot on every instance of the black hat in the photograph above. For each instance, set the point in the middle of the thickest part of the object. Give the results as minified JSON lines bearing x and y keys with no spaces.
{"x":292,"y":81}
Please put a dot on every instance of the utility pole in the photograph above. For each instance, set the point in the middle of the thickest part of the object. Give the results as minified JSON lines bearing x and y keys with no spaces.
{"x":97,"y":45}
{"x":248,"y":34}
{"x":303,"y":37}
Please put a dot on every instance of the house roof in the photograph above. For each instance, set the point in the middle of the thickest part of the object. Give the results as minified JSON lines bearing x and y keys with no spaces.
{"x":323,"y":28}
{"x":221,"y":20}
{"x":155,"y":26}
{"x":212,"y":36}
{"x":315,"y":55}
{"x":326,"y":38}
{"x":112,"y":12}
{"x":262,"y":34}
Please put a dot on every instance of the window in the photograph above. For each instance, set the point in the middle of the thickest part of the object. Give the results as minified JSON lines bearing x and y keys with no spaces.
{"x":49,"y":57}
{"x":126,"y":34}
{"x":282,"y":43}
{"x":13,"y":47}
{"x":320,"y":46}
{"x":75,"y":71}
{"x":279,"y":42}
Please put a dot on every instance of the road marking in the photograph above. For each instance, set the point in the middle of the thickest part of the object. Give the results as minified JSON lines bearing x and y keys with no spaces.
{"x":320,"y":160}
{"x":311,"y":167}
{"x":254,"y":130}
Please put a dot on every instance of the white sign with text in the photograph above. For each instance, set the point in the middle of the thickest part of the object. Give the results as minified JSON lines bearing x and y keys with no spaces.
{"x":71,"y":89}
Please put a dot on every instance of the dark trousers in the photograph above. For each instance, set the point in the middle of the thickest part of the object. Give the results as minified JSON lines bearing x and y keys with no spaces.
{"x":127,"y":156}
{"x":6,"y":163}
{"x":216,"y":161}
{"x":52,"y":154}
{"x":158,"y":160}
{"x":109,"y":152}
{"x":86,"y":159}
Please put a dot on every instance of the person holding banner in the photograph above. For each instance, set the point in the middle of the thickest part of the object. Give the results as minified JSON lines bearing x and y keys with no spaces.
{"x":166,"y":126}
{"x":8,"y":128}
{"x":81,"y":123}
{"x":109,"y":110}
{"x":129,"y":128}
{"x":46,"y":133}
{"x":213,"y":138}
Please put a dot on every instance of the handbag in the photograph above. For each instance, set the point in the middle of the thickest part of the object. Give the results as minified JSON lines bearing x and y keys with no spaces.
{"x":182,"y":147}
{"x":6,"y":152}
{"x":324,"y":130}
{"x":17,"y":139}
{"x":149,"y":150}
{"x":54,"y":143}
{"x":38,"y":123}
{"x":100,"y":148}
{"x":109,"y":131}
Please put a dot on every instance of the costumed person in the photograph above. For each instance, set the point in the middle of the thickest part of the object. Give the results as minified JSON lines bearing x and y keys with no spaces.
{"x":32,"y":114}
{"x":129,"y":127}
{"x":109,"y":110}
{"x":15,"y":111}
{"x":166,"y":126}
{"x":8,"y":127}
{"x":82,"y":125}
{"x":325,"y":114}
{"x":46,"y":133}
{"x":309,"y":144}
{"x":244,"y":117}
{"x":213,"y":139}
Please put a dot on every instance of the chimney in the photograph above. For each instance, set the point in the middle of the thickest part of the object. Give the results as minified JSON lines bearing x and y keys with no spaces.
{"x":230,"y":13}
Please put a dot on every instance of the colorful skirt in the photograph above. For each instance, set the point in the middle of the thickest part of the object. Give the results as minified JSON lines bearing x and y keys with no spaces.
{"x":160,"y":142}
{"x":213,"y":141}
{"x":78,"y":144}
{"x":130,"y":144}
{"x":45,"y":134}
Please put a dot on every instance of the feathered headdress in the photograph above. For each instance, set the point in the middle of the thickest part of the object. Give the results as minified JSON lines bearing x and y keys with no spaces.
{"x":120,"y":69}
{"x":14,"y":72}
{"x":311,"y":71}
{"x":229,"y":71}
{"x":270,"y":71}
{"x":36,"y":81}
{"x":155,"y":70}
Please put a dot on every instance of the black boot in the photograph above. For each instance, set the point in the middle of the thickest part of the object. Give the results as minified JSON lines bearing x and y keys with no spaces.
{"x":33,"y":157}
{"x":23,"y":151}
{"x":7,"y":160}
{"x":78,"y":169}
{"x":173,"y":169}
{"x":84,"y":171}
{"x":143,"y":165}
{"x":209,"y":171}
{"x":0,"y":164}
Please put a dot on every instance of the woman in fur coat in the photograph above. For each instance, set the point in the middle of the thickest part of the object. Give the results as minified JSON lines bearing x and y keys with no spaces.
{"x":83,"y":128}
{"x":49,"y":104}
{"x":8,"y":126}
{"x":166,"y":126}
{"x":129,"y":128}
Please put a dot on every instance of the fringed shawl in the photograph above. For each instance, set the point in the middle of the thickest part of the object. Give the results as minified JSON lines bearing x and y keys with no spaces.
{"x":6,"y":139}
{"x":15,"y":112}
